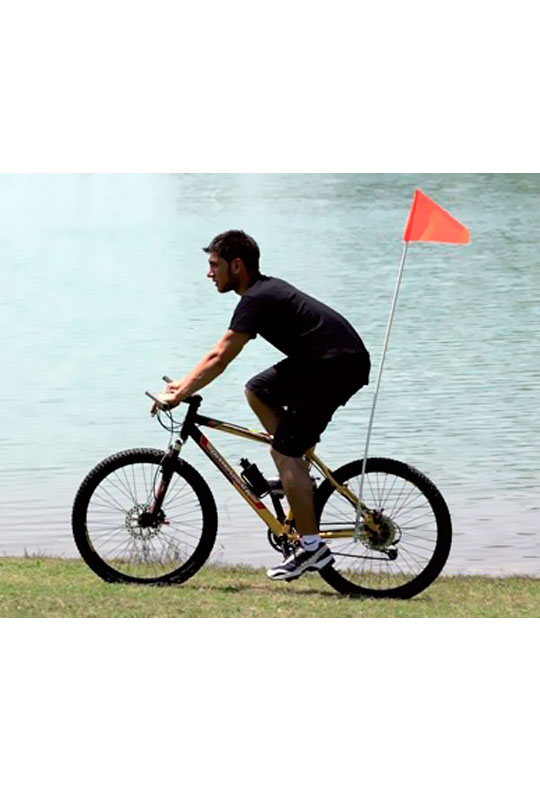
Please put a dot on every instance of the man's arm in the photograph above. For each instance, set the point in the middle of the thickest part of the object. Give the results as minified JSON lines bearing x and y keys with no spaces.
{"x":210,"y":367}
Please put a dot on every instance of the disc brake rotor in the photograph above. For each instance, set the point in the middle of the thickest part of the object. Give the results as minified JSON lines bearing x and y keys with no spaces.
{"x":133,"y":524}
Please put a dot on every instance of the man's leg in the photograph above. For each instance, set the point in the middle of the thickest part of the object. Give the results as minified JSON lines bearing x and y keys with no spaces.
{"x":311,"y":553}
{"x":269,"y":416}
{"x":299,"y":491}
{"x":293,"y":471}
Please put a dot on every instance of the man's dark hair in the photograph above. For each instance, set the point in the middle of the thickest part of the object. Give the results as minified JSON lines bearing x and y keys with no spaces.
{"x":236,"y":245}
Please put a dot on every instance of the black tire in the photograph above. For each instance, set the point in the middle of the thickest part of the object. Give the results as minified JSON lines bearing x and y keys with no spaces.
{"x":112,"y":543}
{"x":420,"y":519}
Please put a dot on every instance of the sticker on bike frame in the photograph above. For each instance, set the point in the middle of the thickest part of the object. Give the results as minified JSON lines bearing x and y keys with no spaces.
{"x":230,"y":472}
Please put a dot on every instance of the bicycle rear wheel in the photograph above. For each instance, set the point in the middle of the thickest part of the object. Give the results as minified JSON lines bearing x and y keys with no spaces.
{"x":409,"y":554}
{"x":117,"y":545}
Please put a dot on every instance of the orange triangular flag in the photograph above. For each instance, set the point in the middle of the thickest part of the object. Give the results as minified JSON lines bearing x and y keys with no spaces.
{"x":428,"y":222}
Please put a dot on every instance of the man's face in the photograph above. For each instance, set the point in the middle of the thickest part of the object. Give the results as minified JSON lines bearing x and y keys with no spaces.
{"x":220,"y":272}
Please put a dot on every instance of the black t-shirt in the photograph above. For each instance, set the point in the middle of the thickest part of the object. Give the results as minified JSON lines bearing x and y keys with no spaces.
{"x":298,"y":325}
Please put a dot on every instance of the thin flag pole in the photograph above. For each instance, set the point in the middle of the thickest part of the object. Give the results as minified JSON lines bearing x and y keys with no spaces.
{"x":427,"y":222}
{"x":377,"y":387}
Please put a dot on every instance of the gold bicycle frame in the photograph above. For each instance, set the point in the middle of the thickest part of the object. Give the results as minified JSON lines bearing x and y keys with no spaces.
{"x":244,"y":489}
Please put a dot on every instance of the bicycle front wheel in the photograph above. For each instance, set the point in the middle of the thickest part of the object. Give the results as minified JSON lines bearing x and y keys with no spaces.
{"x":118,"y":546}
{"x":412,"y":541}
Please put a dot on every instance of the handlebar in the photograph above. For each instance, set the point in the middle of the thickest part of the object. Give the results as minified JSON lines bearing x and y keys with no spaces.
{"x":164,"y":406}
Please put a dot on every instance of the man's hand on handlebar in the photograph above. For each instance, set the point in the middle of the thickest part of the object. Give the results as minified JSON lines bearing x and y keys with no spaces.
{"x":169,"y":397}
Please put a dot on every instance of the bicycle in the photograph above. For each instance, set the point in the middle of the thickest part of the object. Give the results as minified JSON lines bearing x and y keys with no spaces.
{"x":147,"y":516}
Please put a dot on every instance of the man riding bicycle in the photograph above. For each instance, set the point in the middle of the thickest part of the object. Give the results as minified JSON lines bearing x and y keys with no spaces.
{"x":326,"y":363}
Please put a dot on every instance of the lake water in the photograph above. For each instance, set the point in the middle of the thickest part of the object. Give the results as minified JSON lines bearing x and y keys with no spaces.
{"x":104,"y":290}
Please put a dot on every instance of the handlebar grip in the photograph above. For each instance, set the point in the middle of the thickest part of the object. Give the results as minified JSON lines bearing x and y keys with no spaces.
{"x":167,"y":379}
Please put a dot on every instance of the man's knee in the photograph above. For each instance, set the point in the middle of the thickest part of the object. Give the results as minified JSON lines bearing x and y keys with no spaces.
{"x":282,"y":459}
{"x":253,"y":399}
{"x":258,"y":406}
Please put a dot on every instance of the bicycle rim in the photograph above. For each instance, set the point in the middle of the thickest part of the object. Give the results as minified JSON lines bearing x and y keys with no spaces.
{"x":417,"y":526}
{"x":110,"y":537}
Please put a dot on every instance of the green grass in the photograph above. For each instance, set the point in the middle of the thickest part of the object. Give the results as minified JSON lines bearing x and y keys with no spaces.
{"x":56,"y":587}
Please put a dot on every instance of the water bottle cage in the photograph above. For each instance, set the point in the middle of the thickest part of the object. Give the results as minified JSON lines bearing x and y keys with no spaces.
{"x":253,"y":476}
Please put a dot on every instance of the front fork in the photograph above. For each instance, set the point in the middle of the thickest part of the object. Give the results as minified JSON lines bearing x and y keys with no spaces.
{"x":154,"y":516}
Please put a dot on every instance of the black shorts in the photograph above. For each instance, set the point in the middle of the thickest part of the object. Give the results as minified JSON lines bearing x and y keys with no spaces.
{"x":310,"y":392}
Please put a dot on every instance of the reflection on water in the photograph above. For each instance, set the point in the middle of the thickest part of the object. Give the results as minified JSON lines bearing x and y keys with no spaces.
{"x":104,"y":290}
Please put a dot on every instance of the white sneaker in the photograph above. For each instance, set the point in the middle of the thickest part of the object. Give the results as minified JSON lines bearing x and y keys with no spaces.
{"x":302,"y":560}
